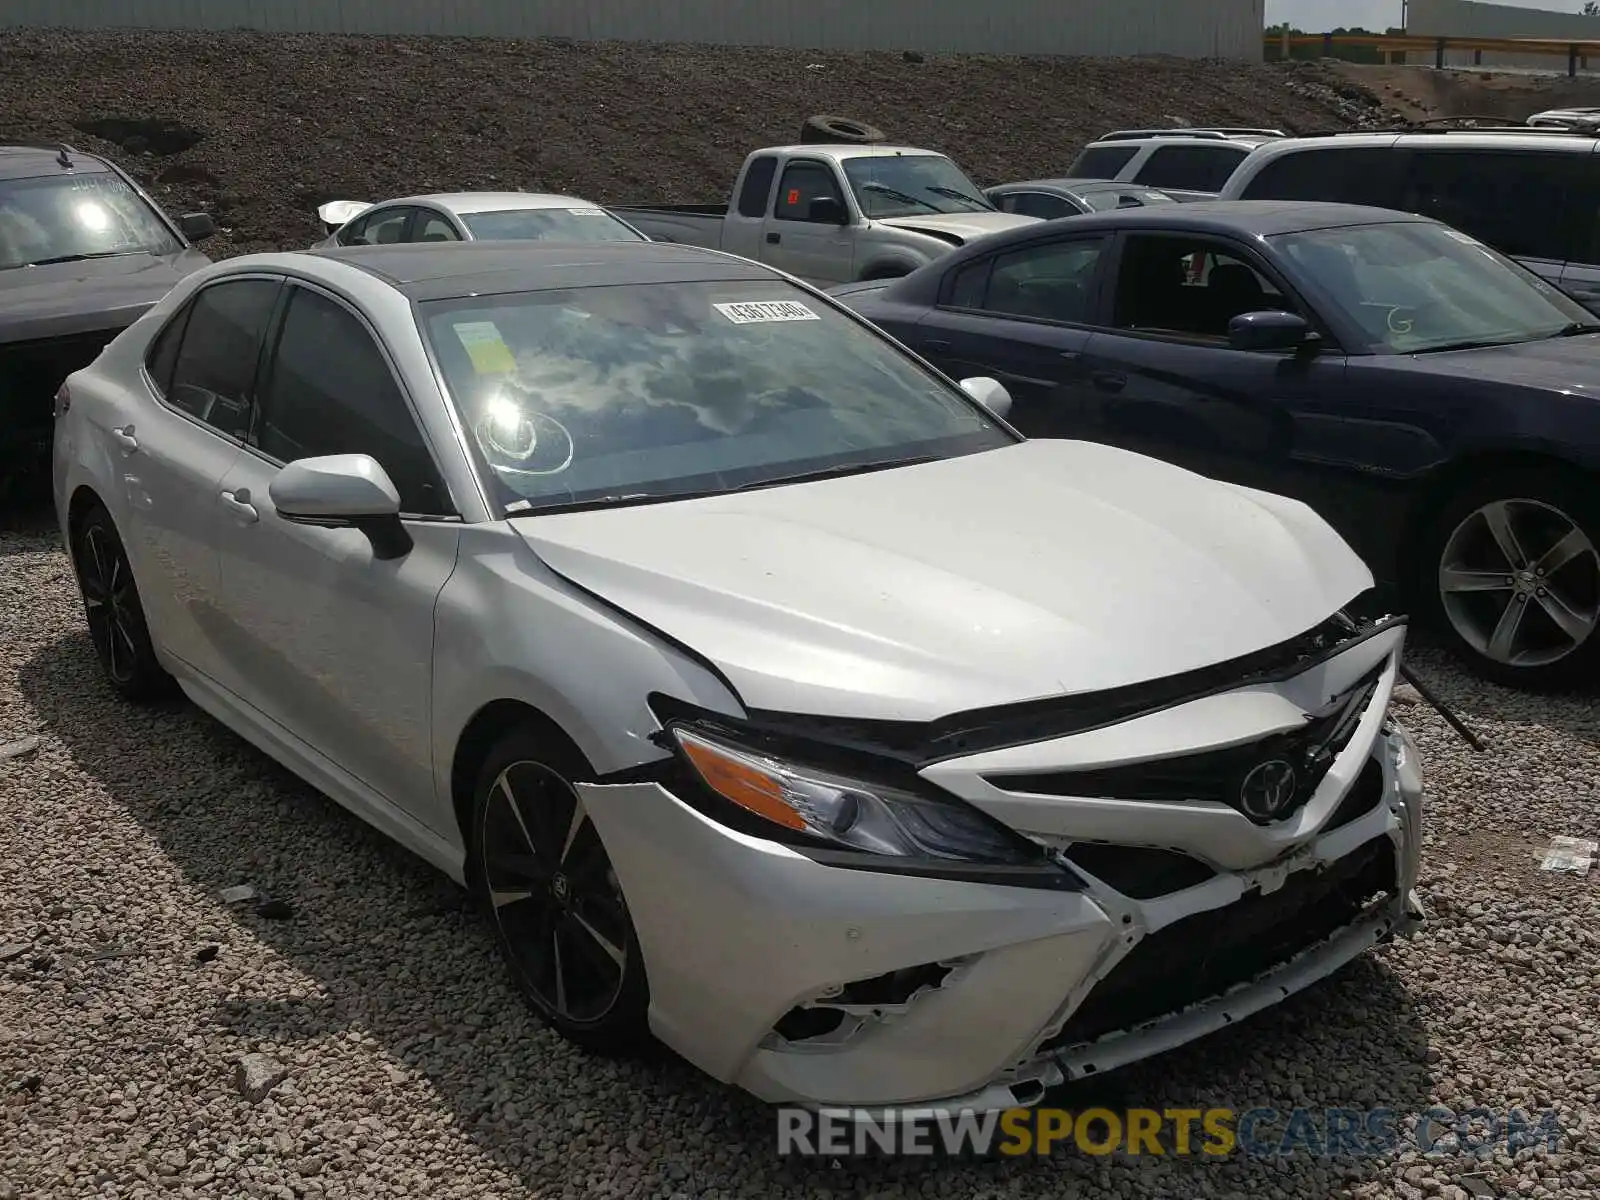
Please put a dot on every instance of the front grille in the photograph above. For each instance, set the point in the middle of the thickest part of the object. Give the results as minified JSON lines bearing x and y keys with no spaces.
{"x":1138,"y":871}
{"x":1231,"y":776}
{"x":1363,"y":796}
{"x":1206,"y":954}
{"x":30,"y":373}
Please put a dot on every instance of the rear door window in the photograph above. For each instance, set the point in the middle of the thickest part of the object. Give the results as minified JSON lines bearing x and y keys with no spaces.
{"x":1369,"y":175}
{"x":1198,"y":168}
{"x":213,"y":365}
{"x":757,"y":186}
{"x":1525,"y":203}
{"x":1101,"y":162}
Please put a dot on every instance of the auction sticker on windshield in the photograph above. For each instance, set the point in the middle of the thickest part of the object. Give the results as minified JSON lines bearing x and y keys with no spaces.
{"x":488,"y":350}
{"x":754,"y":312}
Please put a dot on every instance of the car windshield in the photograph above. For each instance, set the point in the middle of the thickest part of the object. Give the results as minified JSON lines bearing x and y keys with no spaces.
{"x":908,"y":185}
{"x":549,"y":224}
{"x":63,"y":218}
{"x":638,"y":392}
{"x":1415,"y":287}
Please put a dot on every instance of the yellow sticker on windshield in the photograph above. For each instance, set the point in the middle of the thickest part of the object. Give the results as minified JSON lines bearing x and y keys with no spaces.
{"x":488,"y":350}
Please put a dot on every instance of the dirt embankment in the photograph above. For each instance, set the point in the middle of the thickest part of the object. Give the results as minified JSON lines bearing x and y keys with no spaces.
{"x":259,"y":129}
{"x":1420,"y":93}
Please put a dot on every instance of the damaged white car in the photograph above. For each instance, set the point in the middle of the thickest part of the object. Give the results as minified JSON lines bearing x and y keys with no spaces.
{"x":774,"y":696}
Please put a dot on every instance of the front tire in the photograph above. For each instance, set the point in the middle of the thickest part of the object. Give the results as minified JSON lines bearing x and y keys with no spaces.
{"x":113,"y":610}
{"x":1510,"y":571}
{"x":542,"y":875}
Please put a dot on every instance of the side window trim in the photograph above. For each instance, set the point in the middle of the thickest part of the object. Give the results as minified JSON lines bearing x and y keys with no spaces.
{"x":268,"y":363}
{"x":1211,"y":242}
{"x":256,"y":376}
{"x":1094,"y":314}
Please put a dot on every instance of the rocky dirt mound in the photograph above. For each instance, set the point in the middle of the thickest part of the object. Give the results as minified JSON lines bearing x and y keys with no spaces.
{"x":259,"y":128}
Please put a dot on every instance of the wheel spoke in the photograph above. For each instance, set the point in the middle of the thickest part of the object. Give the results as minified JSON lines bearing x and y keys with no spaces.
{"x":504,"y":787}
{"x":593,"y":936}
{"x":557,"y":969}
{"x":1502,"y":642}
{"x":1569,"y":547}
{"x":1574,"y":624}
{"x":1498,"y":518}
{"x":1457,"y":579}
{"x":574,"y":823}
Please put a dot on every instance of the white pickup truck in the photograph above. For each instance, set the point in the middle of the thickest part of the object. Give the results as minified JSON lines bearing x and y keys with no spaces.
{"x":833,"y":214}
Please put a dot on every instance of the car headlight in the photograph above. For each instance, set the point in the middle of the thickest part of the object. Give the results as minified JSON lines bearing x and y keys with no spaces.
{"x":852,"y":814}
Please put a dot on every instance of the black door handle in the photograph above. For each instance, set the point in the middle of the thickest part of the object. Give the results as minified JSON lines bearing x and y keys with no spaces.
{"x":936,"y":344}
{"x":1070,"y":356}
{"x":1108,"y":381}
{"x":772,"y":239}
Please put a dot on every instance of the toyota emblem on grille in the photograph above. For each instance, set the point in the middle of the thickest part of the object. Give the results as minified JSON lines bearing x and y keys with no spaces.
{"x":1268,"y":789}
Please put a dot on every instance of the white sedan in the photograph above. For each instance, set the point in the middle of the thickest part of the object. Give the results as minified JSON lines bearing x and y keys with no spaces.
{"x":472,"y":216}
{"x":774,"y":697}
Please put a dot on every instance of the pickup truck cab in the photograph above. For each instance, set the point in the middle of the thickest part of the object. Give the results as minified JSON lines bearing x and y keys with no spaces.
{"x":832,"y":214}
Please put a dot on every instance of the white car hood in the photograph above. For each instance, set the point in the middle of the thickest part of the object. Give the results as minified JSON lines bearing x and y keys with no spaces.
{"x":1035,"y":570}
{"x":965,"y":226}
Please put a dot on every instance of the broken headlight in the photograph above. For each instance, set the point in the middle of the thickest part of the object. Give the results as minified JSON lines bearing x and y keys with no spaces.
{"x":823,"y":807}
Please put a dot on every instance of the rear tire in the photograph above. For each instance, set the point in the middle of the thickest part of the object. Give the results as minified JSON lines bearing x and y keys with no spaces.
{"x":113,"y":610}
{"x":537,"y":866}
{"x":824,"y":130}
{"x":1509,"y":573}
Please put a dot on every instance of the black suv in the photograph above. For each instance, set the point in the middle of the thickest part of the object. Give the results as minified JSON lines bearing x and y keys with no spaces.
{"x":84,"y":251}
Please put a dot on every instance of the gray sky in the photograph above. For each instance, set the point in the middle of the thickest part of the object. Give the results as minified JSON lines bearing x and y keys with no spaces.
{"x":1315,"y":16}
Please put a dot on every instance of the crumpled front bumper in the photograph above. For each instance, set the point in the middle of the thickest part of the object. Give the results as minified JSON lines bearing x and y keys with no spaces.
{"x":736,"y":931}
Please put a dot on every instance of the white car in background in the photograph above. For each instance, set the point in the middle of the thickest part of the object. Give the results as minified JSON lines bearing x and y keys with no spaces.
{"x":472,"y":216}
{"x":772,"y":695}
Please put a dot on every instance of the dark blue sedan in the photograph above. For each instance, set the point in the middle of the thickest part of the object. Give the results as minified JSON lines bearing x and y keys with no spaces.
{"x":1436,"y":402}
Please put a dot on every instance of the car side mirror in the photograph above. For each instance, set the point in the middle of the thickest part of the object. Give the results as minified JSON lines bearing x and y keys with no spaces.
{"x":990,"y":393}
{"x":343,"y":491}
{"x":827,"y":210}
{"x":197,"y":226}
{"x":1270,"y":331}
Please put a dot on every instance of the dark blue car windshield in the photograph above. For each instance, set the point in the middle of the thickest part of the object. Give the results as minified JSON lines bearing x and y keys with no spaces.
{"x":1413,"y":287}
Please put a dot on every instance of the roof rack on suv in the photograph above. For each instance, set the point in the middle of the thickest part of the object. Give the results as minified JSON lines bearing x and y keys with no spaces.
{"x":1584,"y":130}
{"x":1213,"y":133}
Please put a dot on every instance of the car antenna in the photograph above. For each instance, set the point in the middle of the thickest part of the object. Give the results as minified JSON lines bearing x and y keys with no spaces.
{"x":1439,"y":707}
{"x":63,"y":157}
{"x":1426,"y":693}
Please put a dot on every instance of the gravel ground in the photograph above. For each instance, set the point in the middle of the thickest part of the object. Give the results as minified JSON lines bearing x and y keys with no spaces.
{"x":259,"y":128}
{"x":410,"y":1069}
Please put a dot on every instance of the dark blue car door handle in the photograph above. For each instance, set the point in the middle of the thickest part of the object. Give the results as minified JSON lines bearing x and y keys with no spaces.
{"x":935,"y":344}
{"x":1108,"y":381}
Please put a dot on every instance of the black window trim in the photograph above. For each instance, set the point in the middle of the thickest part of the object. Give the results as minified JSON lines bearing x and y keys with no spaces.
{"x":1097,"y":286}
{"x":834,"y":172}
{"x":1240,"y":248}
{"x":182,"y":314}
{"x":267,"y":360}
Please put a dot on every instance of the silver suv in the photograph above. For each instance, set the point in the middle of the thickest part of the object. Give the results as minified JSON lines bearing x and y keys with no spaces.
{"x":1186,"y":163}
{"x":1532,"y":194}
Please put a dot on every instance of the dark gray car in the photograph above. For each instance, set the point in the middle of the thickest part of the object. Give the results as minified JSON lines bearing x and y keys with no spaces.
{"x":84,"y":251}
